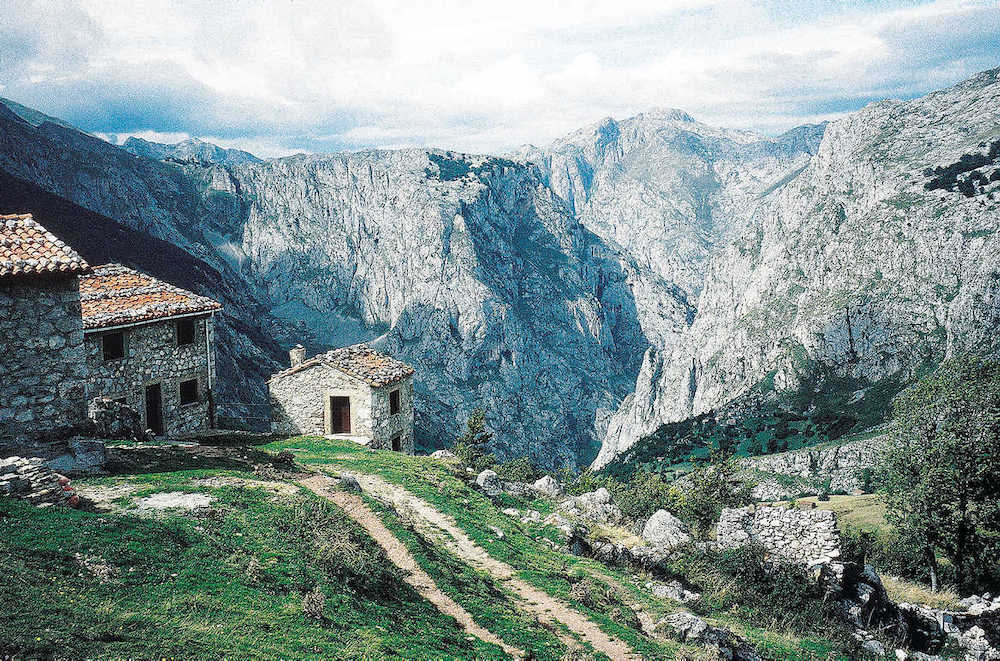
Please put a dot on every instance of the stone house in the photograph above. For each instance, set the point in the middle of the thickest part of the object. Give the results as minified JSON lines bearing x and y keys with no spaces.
{"x":150,"y":345}
{"x":42,"y":368}
{"x":352,"y":392}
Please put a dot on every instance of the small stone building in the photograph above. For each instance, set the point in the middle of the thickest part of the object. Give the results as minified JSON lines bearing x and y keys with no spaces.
{"x":352,"y":392}
{"x":151,"y":346}
{"x":42,"y":368}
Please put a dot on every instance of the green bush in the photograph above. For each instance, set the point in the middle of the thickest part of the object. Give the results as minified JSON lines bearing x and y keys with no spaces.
{"x":584,"y":482}
{"x":518,"y":470}
{"x":711,"y":489}
{"x":743,"y":579}
{"x":604,"y":599}
{"x":473,"y":456}
{"x":640,"y":497}
{"x":338,"y":549}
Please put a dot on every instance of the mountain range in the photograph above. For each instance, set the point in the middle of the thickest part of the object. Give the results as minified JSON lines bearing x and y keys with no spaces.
{"x":632,"y":274}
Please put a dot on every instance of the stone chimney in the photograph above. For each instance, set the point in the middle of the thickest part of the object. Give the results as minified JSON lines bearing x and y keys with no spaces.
{"x":297,"y":354}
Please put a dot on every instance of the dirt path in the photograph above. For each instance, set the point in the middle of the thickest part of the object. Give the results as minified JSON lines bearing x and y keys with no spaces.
{"x":543,"y":605}
{"x":400,"y":556}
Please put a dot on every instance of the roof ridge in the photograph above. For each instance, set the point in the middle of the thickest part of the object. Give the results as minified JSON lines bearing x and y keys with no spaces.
{"x":375,"y":368}
{"x":28,"y":248}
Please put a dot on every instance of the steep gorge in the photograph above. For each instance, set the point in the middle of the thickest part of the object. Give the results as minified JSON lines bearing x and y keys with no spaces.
{"x":633,"y":273}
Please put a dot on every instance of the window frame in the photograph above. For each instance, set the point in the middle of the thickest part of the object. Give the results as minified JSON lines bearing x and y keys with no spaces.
{"x":180,"y":392}
{"x":177,"y":331}
{"x":104,"y":345}
{"x":395,"y":402}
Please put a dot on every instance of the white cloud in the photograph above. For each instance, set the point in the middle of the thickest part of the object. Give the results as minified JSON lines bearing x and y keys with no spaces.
{"x":479,"y":76}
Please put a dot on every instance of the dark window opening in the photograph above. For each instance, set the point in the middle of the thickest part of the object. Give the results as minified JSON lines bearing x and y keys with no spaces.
{"x":189,"y":391}
{"x":113,"y":345}
{"x":394,"y":402}
{"x":185,"y":331}
{"x":397,"y":444}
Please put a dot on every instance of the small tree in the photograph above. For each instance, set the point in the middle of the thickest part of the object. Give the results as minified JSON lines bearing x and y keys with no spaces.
{"x":712,"y":487}
{"x":941,"y":473}
{"x":472,"y":448}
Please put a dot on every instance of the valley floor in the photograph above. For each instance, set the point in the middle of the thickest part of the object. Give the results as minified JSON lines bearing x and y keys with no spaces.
{"x":212,"y":551}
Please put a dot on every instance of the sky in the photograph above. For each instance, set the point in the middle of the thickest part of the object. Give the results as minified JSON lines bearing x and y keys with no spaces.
{"x":287,"y":76}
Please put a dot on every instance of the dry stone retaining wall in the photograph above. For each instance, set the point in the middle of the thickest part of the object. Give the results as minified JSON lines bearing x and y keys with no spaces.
{"x":842,"y":465}
{"x":805,"y":537}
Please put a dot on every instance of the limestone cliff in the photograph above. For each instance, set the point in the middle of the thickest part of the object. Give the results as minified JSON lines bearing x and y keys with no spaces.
{"x":633,"y":273}
{"x":869,"y":261}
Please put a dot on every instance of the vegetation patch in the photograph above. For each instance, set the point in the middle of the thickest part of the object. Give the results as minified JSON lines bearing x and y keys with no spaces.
{"x":230,"y":582}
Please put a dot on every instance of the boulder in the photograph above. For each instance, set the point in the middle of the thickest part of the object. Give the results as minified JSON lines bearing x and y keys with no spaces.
{"x":672,"y":590}
{"x":595,"y":506}
{"x":689,"y":628}
{"x":548,"y":486}
{"x":665,"y":530}
{"x":349,"y":483}
{"x":443,"y":454}
{"x":489,"y":482}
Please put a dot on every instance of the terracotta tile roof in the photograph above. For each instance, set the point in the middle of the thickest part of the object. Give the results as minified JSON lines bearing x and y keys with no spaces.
{"x":27,"y":248}
{"x":115,"y":295}
{"x":360,"y":361}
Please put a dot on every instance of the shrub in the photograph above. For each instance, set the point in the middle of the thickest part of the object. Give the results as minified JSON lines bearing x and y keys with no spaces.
{"x":585,"y":482}
{"x":518,"y":470}
{"x":744,"y":579}
{"x":471,"y":449}
{"x":710,"y":490}
{"x":640,"y":497}
{"x":473,"y":457}
{"x":604,"y":599}
{"x":338,"y":549}
{"x":313,"y":603}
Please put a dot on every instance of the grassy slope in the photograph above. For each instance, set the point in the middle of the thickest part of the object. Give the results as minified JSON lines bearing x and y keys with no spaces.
{"x":183,"y":588}
{"x":522,"y":547}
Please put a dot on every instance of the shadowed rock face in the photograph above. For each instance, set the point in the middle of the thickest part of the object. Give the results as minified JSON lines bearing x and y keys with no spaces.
{"x":630,"y":274}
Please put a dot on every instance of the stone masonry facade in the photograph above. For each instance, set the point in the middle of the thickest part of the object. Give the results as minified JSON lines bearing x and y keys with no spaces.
{"x":42,"y":370}
{"x":300,"y":404}
{"x":805,"y":537}
{"x":153,"y":356}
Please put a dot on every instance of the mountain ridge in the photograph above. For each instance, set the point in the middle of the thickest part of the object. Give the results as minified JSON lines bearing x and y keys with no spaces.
{"x":583,"y":292}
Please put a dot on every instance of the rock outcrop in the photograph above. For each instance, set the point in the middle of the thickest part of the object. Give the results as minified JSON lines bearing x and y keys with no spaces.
{"x":849,"y":264}
{"x":839,"y":469}
{"x":665,"y":531}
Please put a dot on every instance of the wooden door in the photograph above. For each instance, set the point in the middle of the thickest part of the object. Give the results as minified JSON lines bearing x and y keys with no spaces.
{"x":154,"y":409}
{"x":340,"y":415}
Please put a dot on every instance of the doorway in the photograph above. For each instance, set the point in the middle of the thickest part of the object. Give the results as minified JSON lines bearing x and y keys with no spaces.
{"x":154,"y":409}
{"x":340,"y":415}
{"x":397,"y":443}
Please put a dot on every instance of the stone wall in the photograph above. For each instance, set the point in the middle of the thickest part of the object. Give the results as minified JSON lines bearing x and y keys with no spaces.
{"x":42,"y":368}
{"x":299,"y":403}
{"x":804,"y":537}
{"x":386,"y":426}
{"x":843,"y":465}
{"x":153,"y":356}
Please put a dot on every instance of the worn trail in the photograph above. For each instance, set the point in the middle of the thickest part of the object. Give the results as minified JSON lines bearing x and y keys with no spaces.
{"x":356,"y":508}
{"x":543,"y":605}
